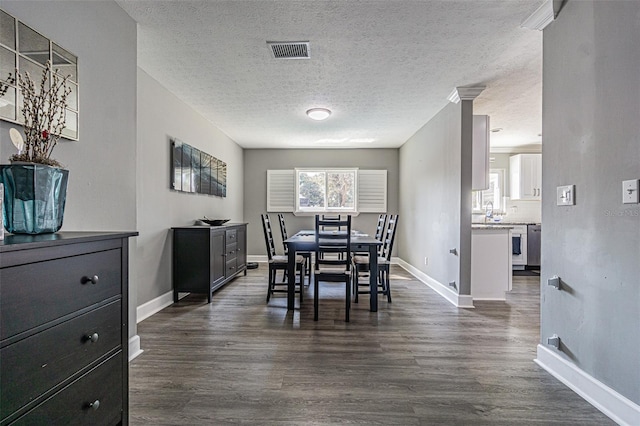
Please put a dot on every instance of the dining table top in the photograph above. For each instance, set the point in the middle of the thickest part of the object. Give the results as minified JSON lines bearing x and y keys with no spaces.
{"x":309,"y":236}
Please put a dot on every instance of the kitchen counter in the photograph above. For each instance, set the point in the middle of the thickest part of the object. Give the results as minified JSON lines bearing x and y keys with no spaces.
{"x":491,"y":226}
{"x":490,"y":261}
{"x":505,"y":223}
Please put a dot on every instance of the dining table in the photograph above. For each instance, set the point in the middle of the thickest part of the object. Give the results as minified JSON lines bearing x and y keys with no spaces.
{"x":305,"y":240}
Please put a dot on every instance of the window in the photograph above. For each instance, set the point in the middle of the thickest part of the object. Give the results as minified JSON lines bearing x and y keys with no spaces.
{"x":492,"y":195}
{"x":366,"y":194}
{"x":321,"y":190}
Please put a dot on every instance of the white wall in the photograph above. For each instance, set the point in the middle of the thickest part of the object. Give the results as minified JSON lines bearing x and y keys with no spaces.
{"x":161,"y":115}
{"x":435,"y":197}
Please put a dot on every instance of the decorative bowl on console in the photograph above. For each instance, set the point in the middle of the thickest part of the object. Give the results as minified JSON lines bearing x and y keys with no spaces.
{"x":214,"y":222}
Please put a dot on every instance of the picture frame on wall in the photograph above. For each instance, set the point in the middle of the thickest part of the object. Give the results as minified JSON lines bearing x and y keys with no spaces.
{"x":193,"y":170}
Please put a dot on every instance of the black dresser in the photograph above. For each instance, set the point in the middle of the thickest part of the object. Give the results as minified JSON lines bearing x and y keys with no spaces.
{"x":207,"y":257}
{"x":63,"y":328}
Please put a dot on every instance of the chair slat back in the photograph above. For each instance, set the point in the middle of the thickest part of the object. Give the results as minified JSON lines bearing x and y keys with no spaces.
{"x":387,"y":243}
{"x":283,"y":232}
{"x":333,"y":236}
{"x":268,"y":236}
{"x":382,"y":221}
{"x":330,"y":220}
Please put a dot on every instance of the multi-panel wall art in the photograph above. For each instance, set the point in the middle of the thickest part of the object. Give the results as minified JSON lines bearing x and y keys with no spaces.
{"x":196,"y":171}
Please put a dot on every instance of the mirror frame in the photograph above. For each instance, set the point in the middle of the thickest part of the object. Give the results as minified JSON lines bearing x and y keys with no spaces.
{"x":54,"y":51}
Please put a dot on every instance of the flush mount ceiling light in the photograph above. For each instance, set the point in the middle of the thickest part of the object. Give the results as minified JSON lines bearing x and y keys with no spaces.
{"x":318,"y":113}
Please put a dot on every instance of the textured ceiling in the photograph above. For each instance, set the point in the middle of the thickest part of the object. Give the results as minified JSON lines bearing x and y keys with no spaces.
{"x":384,"y":68}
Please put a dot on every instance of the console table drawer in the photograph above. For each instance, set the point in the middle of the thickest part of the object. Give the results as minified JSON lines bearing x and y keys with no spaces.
{"x":231,"y":236}
{"x":34,"y":294}
{"x":93,"y":399}
{"x":231,"y":251}
{"x":33,"y":365}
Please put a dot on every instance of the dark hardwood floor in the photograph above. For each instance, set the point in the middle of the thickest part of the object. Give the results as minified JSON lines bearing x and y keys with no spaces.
{"x":418,"y":361}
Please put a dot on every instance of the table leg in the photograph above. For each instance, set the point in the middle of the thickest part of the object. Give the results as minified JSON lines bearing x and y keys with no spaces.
{"x":291,"y":277}
{"x":373,"y":277}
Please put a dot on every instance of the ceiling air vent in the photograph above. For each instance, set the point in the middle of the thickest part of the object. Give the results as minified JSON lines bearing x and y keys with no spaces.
{"x":289,"y":49}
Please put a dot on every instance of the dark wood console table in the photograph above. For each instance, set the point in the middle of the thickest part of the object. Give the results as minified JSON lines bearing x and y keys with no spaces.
{"x":207,"y":257}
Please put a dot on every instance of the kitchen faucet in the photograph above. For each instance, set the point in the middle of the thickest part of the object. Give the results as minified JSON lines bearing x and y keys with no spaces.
{"x":488,"y":211}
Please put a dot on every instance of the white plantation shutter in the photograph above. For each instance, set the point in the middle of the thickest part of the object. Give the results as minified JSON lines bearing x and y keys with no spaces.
{"x":372,"y":191}
{"x":281,"y":190}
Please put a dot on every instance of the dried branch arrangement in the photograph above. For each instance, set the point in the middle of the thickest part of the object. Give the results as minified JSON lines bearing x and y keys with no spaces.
{"x":4,"y":87}
{"x":44,"y":112}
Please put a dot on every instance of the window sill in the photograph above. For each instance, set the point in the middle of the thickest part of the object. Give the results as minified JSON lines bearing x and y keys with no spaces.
{"x":303,"y":213}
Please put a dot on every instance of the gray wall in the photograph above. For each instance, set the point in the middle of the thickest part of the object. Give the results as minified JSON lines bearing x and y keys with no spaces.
{"x":591,"y":108}
{"x":161,"y":115}
{"x":258,"y":161}
{"x":436,"y":217}
{"x":101,"y":194}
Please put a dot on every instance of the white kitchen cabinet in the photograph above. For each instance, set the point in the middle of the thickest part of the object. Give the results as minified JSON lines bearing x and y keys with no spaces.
{"x":525,"y":176}
{"x":480,"y":165}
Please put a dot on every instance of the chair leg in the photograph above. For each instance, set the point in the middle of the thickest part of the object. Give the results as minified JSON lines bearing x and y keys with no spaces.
{"x":315,"y":298}
{"x":301,"y":282}
{"x":348,"y":297}
{"x":356,"y":283}
{"x":387,"y":284}
{"x":269,"y":285}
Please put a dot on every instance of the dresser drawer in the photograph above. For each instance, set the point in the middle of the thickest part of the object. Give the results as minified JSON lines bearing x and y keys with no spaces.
{"x":33,"y":294}
{"x":33,"y":365}
{"x":71,"y":406}
{"x":231,"y":236}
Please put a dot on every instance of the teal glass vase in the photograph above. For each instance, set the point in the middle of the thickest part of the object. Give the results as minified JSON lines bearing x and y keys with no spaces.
{"x":34,"y":197}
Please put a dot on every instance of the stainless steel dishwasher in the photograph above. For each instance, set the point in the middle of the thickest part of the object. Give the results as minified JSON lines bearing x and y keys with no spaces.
{"x":533,"y":244}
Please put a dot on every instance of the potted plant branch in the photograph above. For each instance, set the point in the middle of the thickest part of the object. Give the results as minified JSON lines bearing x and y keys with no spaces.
{"x":35,"y":184}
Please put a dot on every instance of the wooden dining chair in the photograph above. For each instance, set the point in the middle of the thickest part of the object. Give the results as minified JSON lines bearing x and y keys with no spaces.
{"x":361,"y":264}
{"x":305,"y":254}
{"x":380,"y":227}
{"x":279,"y":263}
{"x":328,"y":266}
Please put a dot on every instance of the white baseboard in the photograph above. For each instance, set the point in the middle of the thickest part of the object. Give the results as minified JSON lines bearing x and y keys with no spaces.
{"x":458,"y":300}
{"x":154,"y":306}
{"x":615,"y":406}
{"x":257,"y":258}
{"x":134,"y":347}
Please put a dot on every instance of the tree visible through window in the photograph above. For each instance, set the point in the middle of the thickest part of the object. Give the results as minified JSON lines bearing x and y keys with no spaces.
{"x":326,"y":190}
{"x":493,"y":194}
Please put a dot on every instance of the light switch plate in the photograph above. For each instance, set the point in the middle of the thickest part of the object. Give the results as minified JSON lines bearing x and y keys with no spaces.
{"x":630,"y":191}
{"x":566,"y":195}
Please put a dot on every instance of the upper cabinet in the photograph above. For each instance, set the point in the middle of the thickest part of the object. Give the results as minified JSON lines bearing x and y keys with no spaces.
{"x":525,"y":172}
{"x":480,"y":166}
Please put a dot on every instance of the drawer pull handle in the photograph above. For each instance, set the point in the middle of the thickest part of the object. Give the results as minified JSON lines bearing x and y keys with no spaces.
{"x":93,"y":280}
{"x":95,"y":404}
{"x":91,"y":337}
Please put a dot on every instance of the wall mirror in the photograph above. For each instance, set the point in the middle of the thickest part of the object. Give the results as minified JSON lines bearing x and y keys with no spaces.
{"x":23,"y":49}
